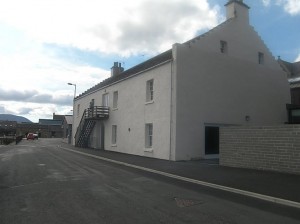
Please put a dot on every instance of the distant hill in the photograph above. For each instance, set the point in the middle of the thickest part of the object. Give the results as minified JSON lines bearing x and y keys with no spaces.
{"x":10,"y":117}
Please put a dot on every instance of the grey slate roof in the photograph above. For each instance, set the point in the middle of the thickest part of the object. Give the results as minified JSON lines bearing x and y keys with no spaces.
{"x":292,"y":69}
{"x":69,"y":119}
{"x":50,"y":122}
{"x":163,"y":57}
{"x":295,"y":84}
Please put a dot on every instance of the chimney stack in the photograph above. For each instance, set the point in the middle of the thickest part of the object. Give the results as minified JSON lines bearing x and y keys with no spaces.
{"x":116,"y":69}
{"x":237,"y":9}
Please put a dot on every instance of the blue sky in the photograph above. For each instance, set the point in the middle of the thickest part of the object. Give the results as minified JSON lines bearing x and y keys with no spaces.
{"x":46,"y":44}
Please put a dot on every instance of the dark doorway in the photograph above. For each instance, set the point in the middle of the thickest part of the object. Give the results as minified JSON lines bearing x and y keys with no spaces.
{"x":211,"y":140}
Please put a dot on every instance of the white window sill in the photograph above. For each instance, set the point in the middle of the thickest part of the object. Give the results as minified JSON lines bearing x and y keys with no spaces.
{"x":149,"y":102}
{"x":114,"y":109}
{"x":114,"y":145}
{"x":148,"y":150}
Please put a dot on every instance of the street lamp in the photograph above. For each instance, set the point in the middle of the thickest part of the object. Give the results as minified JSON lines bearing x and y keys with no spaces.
{"x":71,"y":138}
{"x":71,"y":84}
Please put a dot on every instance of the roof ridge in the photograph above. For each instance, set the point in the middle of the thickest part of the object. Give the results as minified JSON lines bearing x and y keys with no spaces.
{"x":156,"y":60}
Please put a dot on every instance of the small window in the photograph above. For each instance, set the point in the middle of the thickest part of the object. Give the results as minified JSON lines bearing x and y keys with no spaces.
{"x":260,"y":58}
{"x":223,"y":47}
{"x":114,"y":135}
{"x":115,"y":100}
{"x":92,"y":103}
{"x":149,"y":90}
{"x":105,"y":100}
{"x":149,"y":135}
{"x":78,"y":109}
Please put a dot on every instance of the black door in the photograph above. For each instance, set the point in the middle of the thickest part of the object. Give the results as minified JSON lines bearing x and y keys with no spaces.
{"x":211,"y":140}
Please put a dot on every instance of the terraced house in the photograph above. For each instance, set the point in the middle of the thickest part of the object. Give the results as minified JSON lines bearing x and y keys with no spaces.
{"x":172,"y":106}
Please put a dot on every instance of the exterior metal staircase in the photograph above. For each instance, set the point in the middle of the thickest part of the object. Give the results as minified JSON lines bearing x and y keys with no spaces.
{"x":87,"y":124}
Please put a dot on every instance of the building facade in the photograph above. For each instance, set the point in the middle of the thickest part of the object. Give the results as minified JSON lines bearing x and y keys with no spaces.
{"x":293,"y":74}
{"x":67,"y":128}
{"x":172,"y":106}
{"x":8,"y":128}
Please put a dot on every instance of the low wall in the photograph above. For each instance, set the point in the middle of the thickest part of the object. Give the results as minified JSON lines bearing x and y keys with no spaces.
{"x":275,"y":148}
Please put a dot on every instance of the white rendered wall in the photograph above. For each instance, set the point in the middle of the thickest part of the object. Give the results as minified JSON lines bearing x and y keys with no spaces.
{"x":222,"y":89}
{"x":133,"y":113}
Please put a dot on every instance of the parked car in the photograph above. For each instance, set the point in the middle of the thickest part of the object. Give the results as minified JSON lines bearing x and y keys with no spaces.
{"x":36,"y":136}
{"x":30,"y":136}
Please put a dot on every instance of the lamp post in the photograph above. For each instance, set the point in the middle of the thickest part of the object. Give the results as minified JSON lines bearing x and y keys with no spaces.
{"x":71,"y":137}
{"x":71,"y":84}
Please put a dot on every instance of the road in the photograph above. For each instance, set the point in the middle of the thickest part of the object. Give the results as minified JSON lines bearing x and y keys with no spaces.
{"x":42,"y":183}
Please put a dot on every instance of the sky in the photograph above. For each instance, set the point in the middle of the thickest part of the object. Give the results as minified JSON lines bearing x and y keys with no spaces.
{"x":45,"y":44}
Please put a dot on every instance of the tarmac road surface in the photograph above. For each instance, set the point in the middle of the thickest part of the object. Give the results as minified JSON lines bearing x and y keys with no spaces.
{"x":42,"y":183}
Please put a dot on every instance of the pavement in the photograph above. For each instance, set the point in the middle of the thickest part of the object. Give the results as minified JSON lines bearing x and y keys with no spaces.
{"x":280,"y":188}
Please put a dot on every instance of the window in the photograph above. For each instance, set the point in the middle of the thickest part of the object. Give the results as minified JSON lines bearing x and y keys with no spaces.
{"x":105,"y":100}
{"x":260,"y":58}
{"x":149,"y":90}
{"x":114,"y":135}
{"x":149,"y":135}
{"x":223,"y":47}
{"x":115,"y":100}
{"x":92,"y":103}
{"x":78,"y":110}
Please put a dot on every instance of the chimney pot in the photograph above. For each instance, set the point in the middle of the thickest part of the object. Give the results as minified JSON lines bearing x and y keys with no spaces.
{"x":116,"y":69}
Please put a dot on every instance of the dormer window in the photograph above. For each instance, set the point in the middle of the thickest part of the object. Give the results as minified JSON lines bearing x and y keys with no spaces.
{"x":223,"y":47}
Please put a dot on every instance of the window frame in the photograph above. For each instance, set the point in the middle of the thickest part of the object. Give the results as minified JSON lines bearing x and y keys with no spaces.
{"x":223,"y":47}
{"x":114,"y":136}
{"x":150,"y":90}
{"x":261,"y":58}
{"x":78,"y":110}
{"x":115,"y":99}
{"x":149,"y":135}
{"x":105,"y":100}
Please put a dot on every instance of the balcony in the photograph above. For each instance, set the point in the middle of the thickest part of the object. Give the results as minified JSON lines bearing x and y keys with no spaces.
{"x":88,"y":122}
{"x":96,"y":113}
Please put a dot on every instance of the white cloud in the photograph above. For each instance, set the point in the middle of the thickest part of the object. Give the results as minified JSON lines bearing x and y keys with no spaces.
{"x":34,"y":84}
{"x":266,"y":2}
{"x":114,"y":26}
{"x":298,"y":58}
{"x":290,"y":6}
{"x":32,"y":70}
{"x":34,"y":111}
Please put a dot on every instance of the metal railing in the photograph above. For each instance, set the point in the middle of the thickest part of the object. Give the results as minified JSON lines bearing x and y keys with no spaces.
{"x":96,"y":112}
{"x":10,"y":139}
{"x":92,"y":113}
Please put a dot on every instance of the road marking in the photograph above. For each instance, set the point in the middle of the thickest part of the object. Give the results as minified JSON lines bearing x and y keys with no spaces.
{"x":279,"y":201}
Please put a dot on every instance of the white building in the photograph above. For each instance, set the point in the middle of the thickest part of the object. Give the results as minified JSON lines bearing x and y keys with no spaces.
{"x":171,"y":106}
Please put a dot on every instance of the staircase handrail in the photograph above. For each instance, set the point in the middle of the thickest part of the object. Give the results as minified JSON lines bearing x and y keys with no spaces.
{"x":80,"y":126}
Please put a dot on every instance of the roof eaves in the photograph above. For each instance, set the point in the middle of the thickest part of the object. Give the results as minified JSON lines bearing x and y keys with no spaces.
{"x":152,"y":62}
